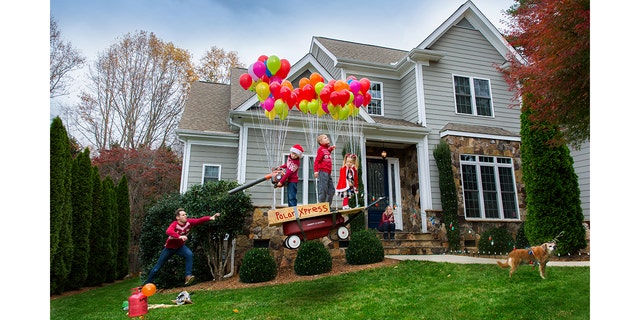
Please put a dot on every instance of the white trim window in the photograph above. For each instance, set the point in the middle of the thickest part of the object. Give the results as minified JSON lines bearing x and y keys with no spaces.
{"x":210,"y":172}
{"x":307,"y":191}
{"x":474,"y":100}
{"x":489,"y":187}
{"x":375,"y":107}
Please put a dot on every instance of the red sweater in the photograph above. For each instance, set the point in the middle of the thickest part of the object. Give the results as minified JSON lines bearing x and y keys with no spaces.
{"x":176,"y":230}
{"x":291,"y":172}
{"x":323,"y":159}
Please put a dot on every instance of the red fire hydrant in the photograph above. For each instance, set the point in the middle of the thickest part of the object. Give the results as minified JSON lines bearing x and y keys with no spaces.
{"x":138,"y":305}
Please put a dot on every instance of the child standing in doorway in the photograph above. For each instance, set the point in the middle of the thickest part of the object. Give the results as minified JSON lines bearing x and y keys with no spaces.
{"x":322,"y":169}
{"x":348,"y":180}
{"x":290,"y":177}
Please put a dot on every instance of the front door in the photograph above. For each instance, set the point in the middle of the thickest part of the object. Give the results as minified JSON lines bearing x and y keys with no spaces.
{"x":377,"y":186}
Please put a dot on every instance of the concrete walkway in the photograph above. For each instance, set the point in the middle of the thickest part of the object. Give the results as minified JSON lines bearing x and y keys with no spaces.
{"x":477,"y":260}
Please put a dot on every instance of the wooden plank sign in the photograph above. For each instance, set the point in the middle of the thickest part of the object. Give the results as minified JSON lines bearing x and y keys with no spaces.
{"x":280,"y":215}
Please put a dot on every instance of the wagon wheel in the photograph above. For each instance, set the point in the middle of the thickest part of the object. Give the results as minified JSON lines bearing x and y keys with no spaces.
{"x":343,"y":233}
{"x":292,"y":242}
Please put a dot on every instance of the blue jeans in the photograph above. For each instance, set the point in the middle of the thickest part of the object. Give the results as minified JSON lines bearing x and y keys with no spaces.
{"x":292,"y":194}
{"x":183,"y":251}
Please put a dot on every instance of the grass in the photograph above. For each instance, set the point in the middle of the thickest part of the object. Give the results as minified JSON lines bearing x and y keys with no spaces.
{"x":409,"y":290}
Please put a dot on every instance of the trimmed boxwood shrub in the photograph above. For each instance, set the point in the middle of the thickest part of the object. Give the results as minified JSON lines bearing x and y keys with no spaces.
{"x":257,"y":266}
{"x":364,"y":248}
{"x":313,"y":258}
{"x":502,"y":241}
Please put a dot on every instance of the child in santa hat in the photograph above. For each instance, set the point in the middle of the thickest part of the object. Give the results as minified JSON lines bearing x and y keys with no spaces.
{"x":348,"y":180}
{"x":290,"y":177}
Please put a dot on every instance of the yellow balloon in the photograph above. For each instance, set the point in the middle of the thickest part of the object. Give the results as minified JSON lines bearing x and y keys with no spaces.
{"x":262,"y":89}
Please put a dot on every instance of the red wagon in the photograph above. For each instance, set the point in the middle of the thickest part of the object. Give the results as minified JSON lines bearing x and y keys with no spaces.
{"x":327,"y":223}
{"x":307,"y":222}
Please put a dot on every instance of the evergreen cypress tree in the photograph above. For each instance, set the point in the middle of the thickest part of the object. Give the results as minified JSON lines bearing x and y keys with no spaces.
{"x":124,"y":230}
{"x":97,"y":243}
{"x":551,"y":185}
{"x":448,"y":194}
{"x":60,"y":208}
{"x":110,"y":213}
{"x":82,"y":199}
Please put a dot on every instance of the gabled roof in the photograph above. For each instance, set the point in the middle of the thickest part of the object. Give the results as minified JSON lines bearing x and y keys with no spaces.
{"x":207,"y":108}
{"x":346,"y":50}
{"x":469,"y":12}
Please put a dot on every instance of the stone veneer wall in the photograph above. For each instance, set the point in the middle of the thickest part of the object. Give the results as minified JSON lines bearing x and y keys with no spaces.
{"x":471,"y":230}
{"x":410,"y":190}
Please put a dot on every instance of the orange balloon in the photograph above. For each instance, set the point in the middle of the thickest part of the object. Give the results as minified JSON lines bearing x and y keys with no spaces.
{"x":315,"y":78}
{"x":303,"y":82}
{"x":149,"y":289}
{"x":340,"y":85}
{"x":287,"y":83}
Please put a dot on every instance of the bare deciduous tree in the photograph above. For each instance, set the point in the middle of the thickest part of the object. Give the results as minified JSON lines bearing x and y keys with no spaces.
{"x":216,"y":65}
{"x":63,"y":58}
{"x":136,"y":93}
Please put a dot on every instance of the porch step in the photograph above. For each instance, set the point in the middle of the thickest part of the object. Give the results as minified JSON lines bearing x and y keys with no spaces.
{"x":410,"y":243}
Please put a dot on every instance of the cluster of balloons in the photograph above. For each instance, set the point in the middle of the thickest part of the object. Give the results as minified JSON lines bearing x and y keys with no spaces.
{"x":338,"y":98}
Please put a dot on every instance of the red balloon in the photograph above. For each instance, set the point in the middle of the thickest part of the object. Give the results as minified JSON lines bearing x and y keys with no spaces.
{"x":274,"y":88}
{"x":262,"y":58}
{"x":334,"y":98}
{"x":308,"y":92}
{"x":365,"y":84}
{"x":367,"y":99}
{"x":285,"y":67}
{"x":325,"y":94}
{"x":245,"y":81}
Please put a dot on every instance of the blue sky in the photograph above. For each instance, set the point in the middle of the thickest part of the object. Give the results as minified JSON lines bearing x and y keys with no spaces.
{"x":253,"y":28}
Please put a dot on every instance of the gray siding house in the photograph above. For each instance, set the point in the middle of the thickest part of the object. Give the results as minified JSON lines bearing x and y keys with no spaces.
{"x":448,"y":88}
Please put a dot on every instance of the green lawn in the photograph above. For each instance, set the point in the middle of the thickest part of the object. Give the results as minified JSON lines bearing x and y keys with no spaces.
{"x":409,"y":290}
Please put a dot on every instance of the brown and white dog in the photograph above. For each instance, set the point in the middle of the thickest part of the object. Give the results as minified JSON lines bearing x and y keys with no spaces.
{"x":537,"y":254}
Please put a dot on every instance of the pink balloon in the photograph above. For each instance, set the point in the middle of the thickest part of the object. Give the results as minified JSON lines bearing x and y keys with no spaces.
{"x":268,"y":103}
{"x":358,"y":99}
{"x":325,"y":107}
{"x":251,"y":73}
{"x":259,"y":69}
{"x":354,"y":86}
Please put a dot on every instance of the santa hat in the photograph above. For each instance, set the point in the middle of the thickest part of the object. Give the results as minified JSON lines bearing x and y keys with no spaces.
{"x":297,"y":149}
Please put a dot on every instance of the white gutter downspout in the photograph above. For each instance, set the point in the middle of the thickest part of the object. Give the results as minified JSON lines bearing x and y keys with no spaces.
{"x":233,"y":255}
{"x":241,"y":177}
{"x":242,"y":154}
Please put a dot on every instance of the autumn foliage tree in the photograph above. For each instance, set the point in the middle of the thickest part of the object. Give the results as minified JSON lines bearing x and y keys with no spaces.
{"x":151,"y":174}
{"x":216,"y":65}
{"x":135,"y":94}
{"x":552,"y":39}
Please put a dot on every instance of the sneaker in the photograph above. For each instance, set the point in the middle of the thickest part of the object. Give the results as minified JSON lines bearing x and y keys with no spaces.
{"x":345,"y":207}
{"x":189,"y":279}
